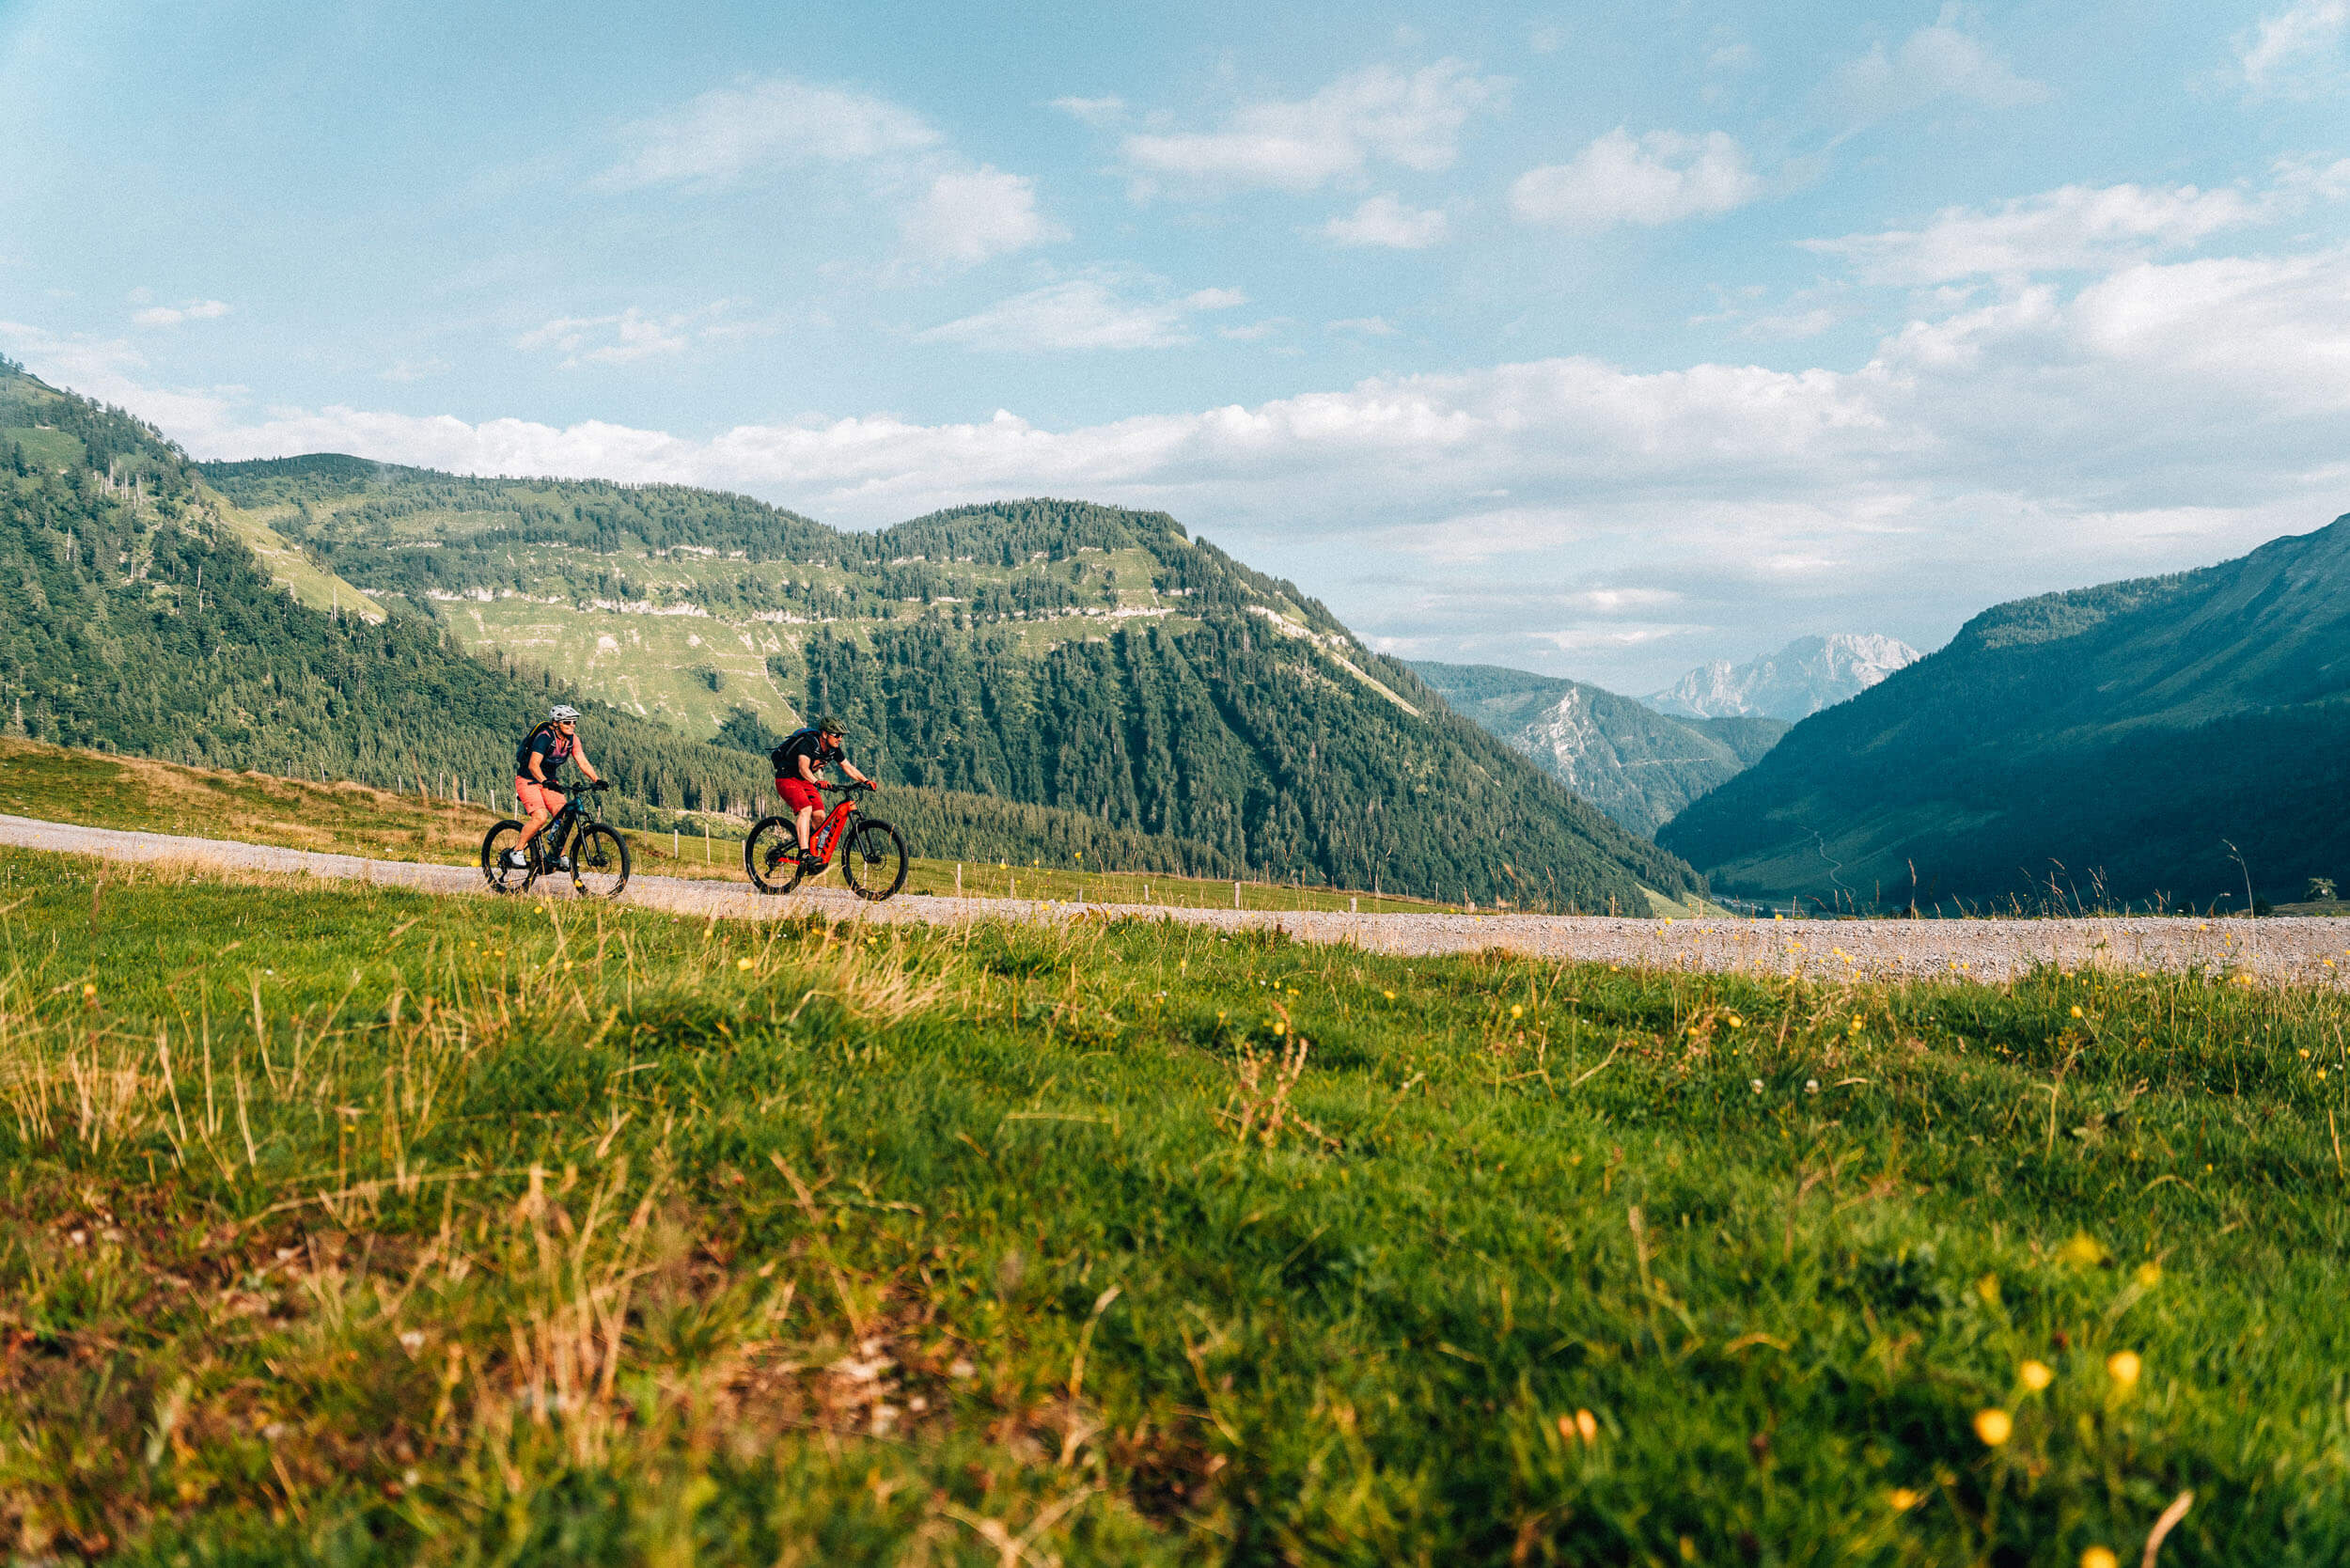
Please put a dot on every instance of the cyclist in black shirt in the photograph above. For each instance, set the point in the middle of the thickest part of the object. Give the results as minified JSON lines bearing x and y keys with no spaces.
{"x":797,"y":759}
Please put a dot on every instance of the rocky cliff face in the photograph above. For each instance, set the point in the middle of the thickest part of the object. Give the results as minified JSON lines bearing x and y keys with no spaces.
{"x":1636,"y":765}
{"x":1807,"y":675}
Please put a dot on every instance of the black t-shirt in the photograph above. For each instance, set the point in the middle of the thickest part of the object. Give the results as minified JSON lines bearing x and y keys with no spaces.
{"x":551,"y":745}
{"x":809,"y":743}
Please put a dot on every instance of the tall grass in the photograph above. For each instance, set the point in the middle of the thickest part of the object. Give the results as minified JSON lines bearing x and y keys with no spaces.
{"x":352,"y":1225}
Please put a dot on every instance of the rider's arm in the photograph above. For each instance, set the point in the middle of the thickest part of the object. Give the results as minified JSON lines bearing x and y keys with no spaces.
{"x":850,"y":768}
{"x":585,"y":766}
{"x":538,"y":765}
{"x":807,"y":768}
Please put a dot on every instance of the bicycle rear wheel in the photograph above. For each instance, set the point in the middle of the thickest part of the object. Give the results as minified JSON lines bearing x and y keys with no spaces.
{"x":873,"y":860}
{"x":772,"y":856}
{"x":599,"y":862}
{"x":504,"y":835}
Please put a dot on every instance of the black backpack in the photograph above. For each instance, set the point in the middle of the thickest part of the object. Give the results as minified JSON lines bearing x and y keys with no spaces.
{"x":791,"y":747}
{"x":521,"y":753}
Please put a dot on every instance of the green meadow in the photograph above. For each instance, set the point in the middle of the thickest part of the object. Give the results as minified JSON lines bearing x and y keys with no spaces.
{"x":350,"y":1226}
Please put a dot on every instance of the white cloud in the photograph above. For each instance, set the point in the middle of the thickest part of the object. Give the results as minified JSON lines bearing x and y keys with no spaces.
{"x":1933,"y":62}
{"x":1083,"y":313}
{"x":168,"y":315}
{"x":2298,"y":49}
{"x":417,"y":369}
{"x":2074,"y":228}
{"x":1375,"y":115}
{"x":1787,"y":326}
{"x":633,"y":335}
{"x":1657,"y":178}
{"x":1096,"y":112}
{"x":970,"y":215}
{"x":1384,"y":221}
{"x":731,"y":133}
{"x":1253,"y":332}
{"x":951,"y":213}
{"x":1364,"y":326}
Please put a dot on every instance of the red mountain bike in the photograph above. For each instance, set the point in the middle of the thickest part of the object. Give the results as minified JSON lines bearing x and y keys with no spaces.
{"x":872,"y":860}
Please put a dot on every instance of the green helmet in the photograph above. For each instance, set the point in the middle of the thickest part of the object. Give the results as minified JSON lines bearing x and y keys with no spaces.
{"x":830,"y":725}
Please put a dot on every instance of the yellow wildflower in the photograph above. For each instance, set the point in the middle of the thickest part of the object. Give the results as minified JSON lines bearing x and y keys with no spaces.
{"x":1993,"y":1427}
{"x":2036,"y":1375}
{"x":1902,"y":1499}
{"x":2124,"y":1366}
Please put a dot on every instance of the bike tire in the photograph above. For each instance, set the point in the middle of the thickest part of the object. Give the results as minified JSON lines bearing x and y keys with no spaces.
{"x":504,"y":833}
{"x":873,"y":861}
{"x":599,"y":862}
{"x":771,"y":855}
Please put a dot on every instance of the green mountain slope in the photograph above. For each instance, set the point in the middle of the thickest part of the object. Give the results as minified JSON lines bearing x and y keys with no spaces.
{"x":1637,"y":766}
{"x":1051,"y":652}
{"x":2108,"y":743}
{"x":135,"y":617}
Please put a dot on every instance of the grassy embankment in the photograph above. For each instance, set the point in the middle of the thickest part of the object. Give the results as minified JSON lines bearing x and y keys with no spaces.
{"x":359,"y":1226}
{"x":65,"y":785}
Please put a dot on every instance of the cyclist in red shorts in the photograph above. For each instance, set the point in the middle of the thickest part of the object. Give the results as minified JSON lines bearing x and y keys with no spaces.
{"x":537,"y":763}
{"x":797,"y":759}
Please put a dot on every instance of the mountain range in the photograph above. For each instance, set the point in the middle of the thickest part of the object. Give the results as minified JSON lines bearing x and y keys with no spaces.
{"x":2166,"y":739}
{"x":1639,"y":767}
{"x":1046,"y":673}
{"x":1807,"y":675}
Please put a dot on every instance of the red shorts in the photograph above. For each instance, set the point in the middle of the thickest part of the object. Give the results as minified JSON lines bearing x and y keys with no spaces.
{"x":800,"y":796}
{"x":536,"y":796}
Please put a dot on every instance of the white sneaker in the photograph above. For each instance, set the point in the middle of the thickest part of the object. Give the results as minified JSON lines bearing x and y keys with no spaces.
{"x":512,"y":860}
{"x":562,"y":862}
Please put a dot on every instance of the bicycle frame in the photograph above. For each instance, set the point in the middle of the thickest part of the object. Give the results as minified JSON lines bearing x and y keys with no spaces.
{"x":564,"y":824}
{"x":826,"y":837}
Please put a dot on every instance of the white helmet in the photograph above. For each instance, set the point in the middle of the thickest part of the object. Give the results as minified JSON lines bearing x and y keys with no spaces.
{"x":562,"y":710}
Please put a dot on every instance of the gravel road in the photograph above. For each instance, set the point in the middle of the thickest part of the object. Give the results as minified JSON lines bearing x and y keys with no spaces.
{"x":2301,"y":948}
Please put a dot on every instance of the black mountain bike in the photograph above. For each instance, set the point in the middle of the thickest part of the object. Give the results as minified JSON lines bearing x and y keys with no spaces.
{"x":872,"y":855}
{"x":577,"y":842}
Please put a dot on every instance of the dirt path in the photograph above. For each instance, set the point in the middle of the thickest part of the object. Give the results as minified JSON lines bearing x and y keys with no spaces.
{"x":2301,"y":948}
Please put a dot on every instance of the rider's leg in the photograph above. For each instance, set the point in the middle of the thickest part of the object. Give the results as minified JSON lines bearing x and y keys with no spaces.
{"x":800,"y":825}
{"x":542,"y":803}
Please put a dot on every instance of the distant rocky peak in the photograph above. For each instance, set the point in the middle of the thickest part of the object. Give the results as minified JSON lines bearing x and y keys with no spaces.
{"x":1807,"y":675}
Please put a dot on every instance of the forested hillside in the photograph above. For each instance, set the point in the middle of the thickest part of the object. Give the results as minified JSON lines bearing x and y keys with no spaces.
{"x":1052,"y":652}
{"x":2108,"y":744}
{"x":133,"y":617}
{"x":1637,"y":766}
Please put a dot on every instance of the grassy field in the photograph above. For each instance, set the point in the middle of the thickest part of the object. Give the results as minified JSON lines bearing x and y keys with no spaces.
{"x":352,"y":1226}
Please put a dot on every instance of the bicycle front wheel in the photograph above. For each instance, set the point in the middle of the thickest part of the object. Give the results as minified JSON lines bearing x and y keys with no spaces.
{"x":874,"y":859}
{"x":599,"y":862}
{"x":772,"y":856}
{"x":503,"y":836}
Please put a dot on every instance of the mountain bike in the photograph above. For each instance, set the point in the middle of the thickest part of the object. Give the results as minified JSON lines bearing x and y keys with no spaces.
{"x":577,"y":842}
{"x":872,"y":859}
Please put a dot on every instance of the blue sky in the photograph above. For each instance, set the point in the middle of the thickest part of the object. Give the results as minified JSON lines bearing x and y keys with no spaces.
{"x":1594,"y":340}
